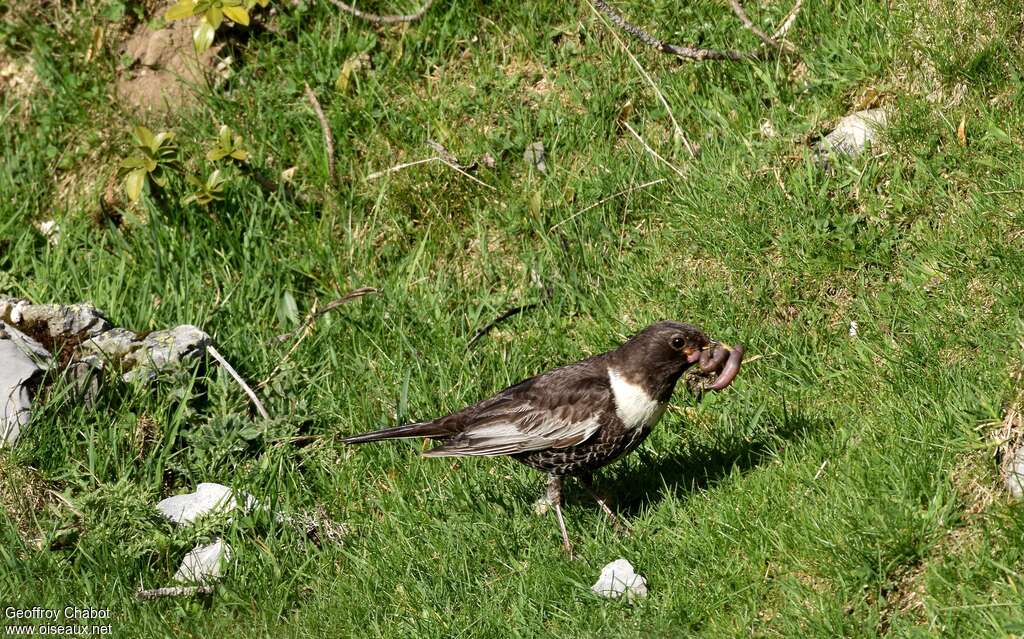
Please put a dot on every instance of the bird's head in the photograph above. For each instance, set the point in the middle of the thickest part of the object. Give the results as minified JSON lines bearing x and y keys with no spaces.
{"x":663,"y":351}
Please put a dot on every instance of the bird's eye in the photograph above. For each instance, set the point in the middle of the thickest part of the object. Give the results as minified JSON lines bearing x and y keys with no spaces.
{"x":678,"y":343}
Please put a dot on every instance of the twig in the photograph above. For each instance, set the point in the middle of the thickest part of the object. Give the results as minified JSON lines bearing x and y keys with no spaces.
{"x":436,"y":158}
{"x":399,"y":167}
{"x":325,"y":128}
{"x":456,"y":168}
{"x":605,"y":199}
{"x":312,"y":317}
{"x":241,"y":382}
{"x":687,"y":52}
{"x":787,"y":23}
{"x":515,"y":310}
{"x":697,"y":53}
{"x":652,"y":151}
{"x":173,"y":591}
{"x":643,"y":72}
{"x":737,"y":8}
{"x":372,"y":17}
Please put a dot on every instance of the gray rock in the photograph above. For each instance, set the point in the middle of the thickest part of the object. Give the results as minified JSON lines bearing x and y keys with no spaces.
{"x":619,"y":579}
{"x":60,"y":320}
{"x":21,"y":359}
{"x":204,"y":564}
{"x":164,"y":350}
{"x":209,"y":498}
{"x":112,"y":345}
{"x":534,"y":156}
{"x":1014,"y":473}
{"x":853,"y":133}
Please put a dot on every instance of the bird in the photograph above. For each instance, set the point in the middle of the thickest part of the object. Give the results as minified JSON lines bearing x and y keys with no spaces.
{"x":576,"y":419}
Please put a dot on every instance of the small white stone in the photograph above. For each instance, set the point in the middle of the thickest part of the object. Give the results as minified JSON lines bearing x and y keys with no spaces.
{"x":767,"y":129}
{"x":853,"y":328}
{"x":209,"y":498}
{"x":204,"y":563}
{"x":854,"y":133}
{"x":617,"y":579}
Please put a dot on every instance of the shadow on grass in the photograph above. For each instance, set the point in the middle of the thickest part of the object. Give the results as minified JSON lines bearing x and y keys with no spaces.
{"x":649,"y":478}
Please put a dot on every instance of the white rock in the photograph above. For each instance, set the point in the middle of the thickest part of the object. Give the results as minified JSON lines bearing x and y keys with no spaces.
{"x":853,"y":328}
{"x":21,"y":359}
{"x":209,"y":498}
{"x":204,"y":563}
{"x":618,"y":579}
{"x":853,"y":133}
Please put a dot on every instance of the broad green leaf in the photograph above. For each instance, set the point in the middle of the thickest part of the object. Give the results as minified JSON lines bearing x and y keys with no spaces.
{"x":215,"y":16}
{"x":159,"y":178}
{"x":160,"y":139}
{"x":149,"y":164}
{"x":216,"y":153}
{"x":202,"y":37}
{"x":143,"y":136}
{"x":133,"y":162}
{"x":240,"y":155}
{"x":238,"y":15}
{"x":133,"y":184}
{"x":183,"y":9}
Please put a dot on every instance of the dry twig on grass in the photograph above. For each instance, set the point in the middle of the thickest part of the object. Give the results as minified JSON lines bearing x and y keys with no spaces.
{"x":373,"y":17}
{"x":437,"y":158}
{"x":173,"y":591}
{"x":241,"y":382}
{"x":325,"y":128}
{"x":697,"y":53}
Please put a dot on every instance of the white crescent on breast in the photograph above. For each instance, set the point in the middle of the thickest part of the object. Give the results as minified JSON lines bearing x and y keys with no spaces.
{"x":633,"y":405}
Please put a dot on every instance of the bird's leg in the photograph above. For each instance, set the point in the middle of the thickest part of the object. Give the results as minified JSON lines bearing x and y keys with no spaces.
{"x":555,"y":497}
{"x":620,"y":525}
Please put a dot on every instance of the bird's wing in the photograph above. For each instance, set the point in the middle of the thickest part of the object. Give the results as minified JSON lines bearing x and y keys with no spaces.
{"x":556,"y":410}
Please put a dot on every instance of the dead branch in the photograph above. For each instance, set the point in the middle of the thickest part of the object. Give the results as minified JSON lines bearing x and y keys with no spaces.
{"x":737,"y":8}
{"x":241,"y":382}
{"x":787,"y":23}
{"x":697,"y":53}
{"x":173,"y":591}
{"x":325,"y":128}
{"x":372,"y":17}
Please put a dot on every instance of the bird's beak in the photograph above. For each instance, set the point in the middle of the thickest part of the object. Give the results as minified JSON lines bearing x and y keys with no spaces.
{"x":721,"y":359}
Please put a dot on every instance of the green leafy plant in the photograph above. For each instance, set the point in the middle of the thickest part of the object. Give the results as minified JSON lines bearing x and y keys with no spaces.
{"x":212,"y":14}
{"x":210,"y":190}
{"x":153,"y":154}
{"x":228,"y":144}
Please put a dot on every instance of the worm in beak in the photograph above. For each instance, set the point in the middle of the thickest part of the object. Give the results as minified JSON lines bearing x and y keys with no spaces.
{"x":721,"y":360}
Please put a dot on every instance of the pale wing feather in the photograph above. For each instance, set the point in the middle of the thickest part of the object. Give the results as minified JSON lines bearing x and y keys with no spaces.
{"x":529,"y":433}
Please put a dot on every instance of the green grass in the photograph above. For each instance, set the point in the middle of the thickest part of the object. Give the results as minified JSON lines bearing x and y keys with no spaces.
{"x":842,"y":487}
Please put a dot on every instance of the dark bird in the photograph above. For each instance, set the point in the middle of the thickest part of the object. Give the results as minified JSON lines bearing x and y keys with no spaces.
{"x":581,"y":417}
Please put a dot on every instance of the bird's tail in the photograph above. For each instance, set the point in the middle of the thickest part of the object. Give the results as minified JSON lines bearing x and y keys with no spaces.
{"x":419,"y":429}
